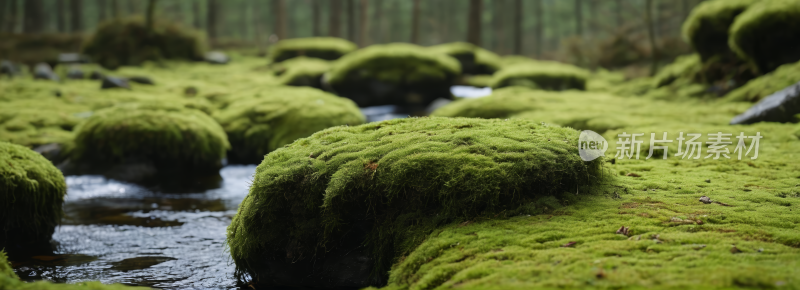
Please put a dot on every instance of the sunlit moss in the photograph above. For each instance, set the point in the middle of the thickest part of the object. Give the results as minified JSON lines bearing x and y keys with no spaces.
{"x":502,"y":103}
{"x":327,"y":48}
{"x":546,"y":75}
{"x":301,"y":71}
{"x":706,"y":27}
{"x":474,"y":60}
{"x":766,"y":34}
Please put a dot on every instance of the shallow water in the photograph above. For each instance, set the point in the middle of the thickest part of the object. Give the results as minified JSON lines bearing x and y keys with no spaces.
{"x":118,"y":232}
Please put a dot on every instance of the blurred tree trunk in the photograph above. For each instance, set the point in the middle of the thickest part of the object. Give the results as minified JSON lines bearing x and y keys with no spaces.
{"x":195,"y":14}
{"x":336,"y":12}
{"x":61,"y":24}
{"x":443,"y":20}
{"x":315,"y":18}
{"x":351,"y":20}
{"x":151,"y":11}
{"x":651,"y":36}
{"x":11,"y":22}
{"x":518,"y":26}
{"x":101,"y":10}
{"x":684,"y":9}
{"x":279,"y":9}
{"x":538,"y":13}
{"x":579,"y":17}
{"x":76,"y":16}
{"x":132,"y":7}
{"x":115,"y":9}
{"x":378,"y":22}
{"x":262,"y":49}
{"x":618,"y":12}
{"x":212,"y":19}
{"x":3,"y":16}
{"x":497,"y":36}
{"x":474,"y":22}
{"x":363,"y":23}
{"x":415,"y":22}
{"x":34,"y":12}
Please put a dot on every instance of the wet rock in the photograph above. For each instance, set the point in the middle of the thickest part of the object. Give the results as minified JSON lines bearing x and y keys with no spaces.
{"x":72,"y":58}
{"x":781,"y":106}
{"x":43,"y":71}
{"x":216,"y":57}
{"x":141,"y":80}
{"x":705,"y":199}
{"x":50,"y":151}
{"x":75,"y":73}
{"x":96,"y":75}
{"x":112,"y":82}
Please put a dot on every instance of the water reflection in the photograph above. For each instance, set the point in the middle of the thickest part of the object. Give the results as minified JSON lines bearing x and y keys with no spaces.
{"x":117,"y":232}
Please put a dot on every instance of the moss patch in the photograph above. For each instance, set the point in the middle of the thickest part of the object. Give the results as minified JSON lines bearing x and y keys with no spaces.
{"x":474,"y":60}
{"x":758,"y":88}
{"x":166,"y":134}
{"x":706,"y":28}
{"x":33,"y":192}
{"x":262,"y":121}
{"x":502,"y":103}
{"x":328,"y":48}
{"x":766,"y":34}
{"x":301,"y":71}
{"x":544,"y":75}
{"x":405,"y":176}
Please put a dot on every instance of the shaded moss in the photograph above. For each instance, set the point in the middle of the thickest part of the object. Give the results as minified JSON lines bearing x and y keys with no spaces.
{"x":301,"y":71}
{"x":123,"y":42}
{"x":32,"y":194}
{"x":482,"y":81}
{"x":706,"y":27}
{"x":544,"y":75}
{"x":328,"y":48}
{"x":474,"y":60}
{"x":33,"y":48}
{"x":404,"y":177}
{"x":502,"y":103}
{"x":758,"y":88}
{"x":10,"y":281}
{"x":767,"y":34}
{"x":166,"y":134}
{"x":260,"y":122}
{"x":684,"y":69}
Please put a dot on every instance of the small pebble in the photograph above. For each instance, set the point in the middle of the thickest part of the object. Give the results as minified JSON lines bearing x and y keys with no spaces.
{"x":705,"y":199}
{"x":708,"y":180}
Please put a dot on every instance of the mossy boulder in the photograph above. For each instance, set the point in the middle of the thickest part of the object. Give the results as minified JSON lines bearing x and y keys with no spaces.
{"x":258,"y":123}
{"x":767,"y":34}
{"x":32,"y":194}
{"x":502,"y":103}
{"x":382,"y":187}
{"x":170,"y":138}
{"x":128,"y":42}
{"x":301,"y":71}
{"x":545,"y":75}
{"x":327,"y":48}
{"x":398,"y":74}
{"x":474,"y":60}
{"x":707,"y":26}
{"x":758,"y":88}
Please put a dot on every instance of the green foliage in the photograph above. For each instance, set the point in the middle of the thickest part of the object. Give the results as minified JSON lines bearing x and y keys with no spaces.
{"x":129,"y":42}
{"x":10,"y":281}
{"x":327,"y":48}
{"x":396,"y":63}
{"x":758,"y":88}
{"x":544,"y":75}
{"x":706,"y":28}
{"x":301,"y":71}
{"x":473,"y":59}
{"x":406,"y":175}
{"x":32,"y":193}
{"x":502,"y":103}
{"x":766,"y":34}
{"x":5,"y":267}
{"x":164,"y":133}
{"x":267,"y":119}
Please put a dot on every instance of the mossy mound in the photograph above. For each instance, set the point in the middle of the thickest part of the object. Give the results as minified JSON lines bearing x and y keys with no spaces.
{"x":32,"y":194}
{"x":758,"y":88}
{"x":706,"y":28}
{"x":401,"y":177}
{"x":481,"y":81}
{"x":397,"y":73}
{"x":9,"y":280}
{"x":168,"y":135}
{"x":25,"y":123}
{"x":544,"y":75}
{"x":264,"y":121}
{"x":767,"y":34}
{"x":745,"y":238}
{"x":128,"y":42}
{"x":33,"y":48}
{"x":512,"y":60}
{"x":328,"y":48}
{"x":474,"y":60}
{"x":684,"y":69}
{"x":301,"y":71}
{"x":502,"y":103}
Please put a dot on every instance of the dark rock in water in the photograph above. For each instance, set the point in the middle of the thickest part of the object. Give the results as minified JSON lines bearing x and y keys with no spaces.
{"x":75,"y":73}
{"x":376,"y":93}
{"x":216,"y":57}
{"x":8,"y":68}
{"x":141,"y":80}
{"x":96,"y":75}
{"x":72,"y":58}
{"x":781,"y":106}
{"x":50,"y":151}
{"x":112,"y":82}
{"x":43,"y":71}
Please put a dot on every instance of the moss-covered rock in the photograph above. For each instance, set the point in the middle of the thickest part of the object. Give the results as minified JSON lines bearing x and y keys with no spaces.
{"x":128,"y":42}
{"x":767,"y":34}
{"x":397,"y":73}
{"x":10,"y":281}
{"x":32,"y":194}
{"x":546,"y":75}
{"x":166,"y":135}
{"x":301,"y":71}
{"x":327,"y":48}
{"x":258,"y":123}
{"x":474,"y":60}
{"x":502,"y":103}
{"x":758,"y":88}
{"x":706,"y":28}
{"x":400,"y":179}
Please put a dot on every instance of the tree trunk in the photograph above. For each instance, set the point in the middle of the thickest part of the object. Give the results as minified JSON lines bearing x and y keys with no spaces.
{"x":518,"y":27}
{"x":34,"y":12}
{"x":115,"y":9}
{"x":3,"y":16}
{"x":415,"y":22}
{"x":151,"y":11}
{"x":262,"y":49}
{"x":132,"y":7}
{"x":539,"y":27}
{"x":351,"y":21}
{"x":280,"y":19}
{"x":76,"y":16}
{"x":474,"y":22}
{"x":579,"y":17}
{"x":336,"y":12}
{"x":101,"y":10}
{"x":378,"y":21}
{"x":363,"y":23}
{"x":196,"y":15}
{"x":618,"y":12}
{"x":12,"y":17}
{"x":315,"y":18}
{"x":651,"y":35}
{"x":212,"y":19}
{"x":684,"y":9}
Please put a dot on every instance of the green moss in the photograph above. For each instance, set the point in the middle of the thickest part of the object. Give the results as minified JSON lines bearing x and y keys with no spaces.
{"x":404,"y":176}
{"x":502,"y":103}
{"x":163,"y":133}
{"x":396,"y":63}
{"x":766,"y":34}
{"x":31,"y":123}
{"x":33,"y":192}
{"x":674,"y":241}
{"x":258,"y":123}
{"x":474,"y":60}
{"x":328,"y":48}
{"x":5,"y":267}
{"x":301,"y":71}
{"x":706,"y":28}
{"x":128,"y":42}
{"x":542,"y":75}
{"x":10,"y":281}
{"x":758,"y":88}
{"x":482,"y":81}
{"x":512,"y":60}
{"x":685,"y":69}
